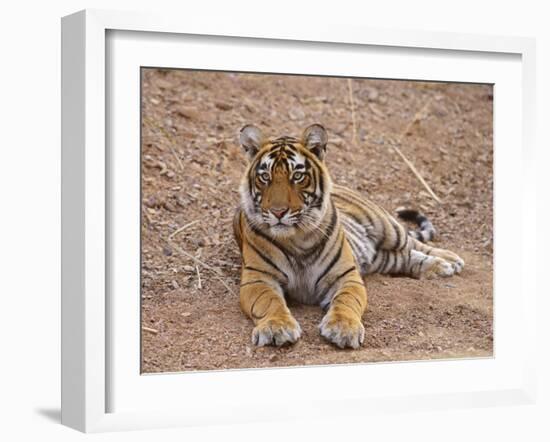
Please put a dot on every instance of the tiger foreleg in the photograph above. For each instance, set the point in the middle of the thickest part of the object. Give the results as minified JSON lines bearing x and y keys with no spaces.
{"x":266,"y":306}
{"x":342,"y":323}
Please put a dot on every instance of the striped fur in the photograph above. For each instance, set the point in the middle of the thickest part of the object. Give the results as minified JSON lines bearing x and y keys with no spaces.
{"x":303,"y":238}
{"x":426,"y":230}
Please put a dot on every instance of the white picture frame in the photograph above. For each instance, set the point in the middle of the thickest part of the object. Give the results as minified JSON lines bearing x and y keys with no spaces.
{"x":87,"y":319}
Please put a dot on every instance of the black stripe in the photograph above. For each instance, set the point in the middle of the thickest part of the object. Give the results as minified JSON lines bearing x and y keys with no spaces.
{"x":397,"y":235}
{"x":360,"y":310}
{"x":355,"y":219}
{"x":363,"y":209}
{"x":395,"y":263}
{"x":254,"y":269}
{"x":256,"y":281}
{"x":290,"y":152}
{"x":318,"y":249}
{"x":351,"y":198}
{"x":421,"y":263}
{"x":272,"y":241}
{"x":384,"y":261}
{"x":400,"y":243}
{"x":321,"y":182}
{"x":251,"y":183}
{"x":327,"y":289}
{"x":332,"y":262}
{"x":388,"y":267}
{"x":254,"y":304}
{"x":267,"y":259}
{"x":358,"y":304}
{"x":314,"y":187}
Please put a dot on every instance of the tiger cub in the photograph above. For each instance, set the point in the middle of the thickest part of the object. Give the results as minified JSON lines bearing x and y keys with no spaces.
{"x":304,"y":238}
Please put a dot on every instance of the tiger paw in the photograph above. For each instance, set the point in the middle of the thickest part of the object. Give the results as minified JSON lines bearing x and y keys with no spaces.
{"x":439,"y":269}
{"x":458,"y":265}
{"x":342,"y":330}
{"x":276,"y":331}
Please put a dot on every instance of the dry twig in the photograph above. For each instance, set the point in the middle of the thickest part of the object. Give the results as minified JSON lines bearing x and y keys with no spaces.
{"x":198,"y":261}
{"x":170,"y":142}
{"x":199,"y":283}
{"x":416,"y":173}
{"x":147,"y":216}
{"x":175,"y":155}
{"x":417,"y":117}
{"x":150,"y":330}
{"x":182,"y":228}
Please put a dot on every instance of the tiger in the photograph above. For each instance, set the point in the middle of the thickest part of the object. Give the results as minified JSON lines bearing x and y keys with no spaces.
{"x":302,"y":237}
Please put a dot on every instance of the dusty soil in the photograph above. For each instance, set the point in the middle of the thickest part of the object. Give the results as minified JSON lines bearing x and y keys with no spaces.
{"x":191,"y":167}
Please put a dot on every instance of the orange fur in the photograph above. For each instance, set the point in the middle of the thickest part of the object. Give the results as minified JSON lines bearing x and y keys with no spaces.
{"x":303,"y":238}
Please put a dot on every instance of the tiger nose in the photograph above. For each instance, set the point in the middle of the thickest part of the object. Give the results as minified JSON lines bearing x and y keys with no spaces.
{"x":279,"y":212}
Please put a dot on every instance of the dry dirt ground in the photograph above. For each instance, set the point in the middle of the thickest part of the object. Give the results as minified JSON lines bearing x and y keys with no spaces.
{"x":191,"y":168}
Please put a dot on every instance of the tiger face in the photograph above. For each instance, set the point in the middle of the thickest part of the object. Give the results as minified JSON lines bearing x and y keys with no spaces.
{"x":286,"y":187}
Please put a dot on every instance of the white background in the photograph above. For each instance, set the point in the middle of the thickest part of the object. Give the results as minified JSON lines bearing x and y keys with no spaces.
{"x":132,"y":392}
{"x":30,"y":217}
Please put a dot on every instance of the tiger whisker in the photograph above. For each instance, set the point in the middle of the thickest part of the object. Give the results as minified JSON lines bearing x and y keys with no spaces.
{"x":307,"y":222}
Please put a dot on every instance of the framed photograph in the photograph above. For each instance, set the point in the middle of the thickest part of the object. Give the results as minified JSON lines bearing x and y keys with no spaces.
{"x":275,"y":222}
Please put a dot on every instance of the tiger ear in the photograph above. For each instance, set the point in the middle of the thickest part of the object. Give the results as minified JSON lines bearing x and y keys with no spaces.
{"x":315,"y":139}
{"x":251,"y":140}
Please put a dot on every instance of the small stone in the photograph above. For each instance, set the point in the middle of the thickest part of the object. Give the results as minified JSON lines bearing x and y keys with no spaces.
{"x":169,"y":206}
{"x":296,"y":114}
{"x":439,"y":110}
{"x":188,"y":268}
{"x":373,"y":95}
{"x":223,"y":106}
{"x":167,"y":251}
{"x":152,"y":201}
{"x":175,"y":284}
{"x":183,"y":202}
{"x":189,"y":113}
